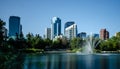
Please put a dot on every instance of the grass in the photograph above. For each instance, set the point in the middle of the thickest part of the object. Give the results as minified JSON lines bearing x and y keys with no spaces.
{"x":76,"y":50}
{"x":32,"y":50}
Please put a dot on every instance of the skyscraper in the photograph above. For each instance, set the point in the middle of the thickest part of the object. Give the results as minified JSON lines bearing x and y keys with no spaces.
{"x":48,"y":33}
{"x":71,"y":31}
{"x":56,"y":27}
{"x":104,"y":34}
{"x":14,"y":25}
{"x":67,"y":24}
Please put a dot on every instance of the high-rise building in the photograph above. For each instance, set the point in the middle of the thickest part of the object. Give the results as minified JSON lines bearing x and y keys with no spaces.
{"x":14,"y":25}
{"x":71,"y":31}
{"x":82,"y":35}
{"x":67,"y":24}
{"x":56,"y":27}
{"x":104,"y":34}
{"x":48,"y":33}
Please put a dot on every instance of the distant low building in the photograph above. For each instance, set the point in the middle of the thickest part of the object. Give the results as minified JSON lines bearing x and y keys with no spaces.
{"x":95,"y":35}
{"x":48,"y":33}
{"x":82,"y":35}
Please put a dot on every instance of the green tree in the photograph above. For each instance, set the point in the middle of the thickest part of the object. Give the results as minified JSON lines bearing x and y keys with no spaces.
{"x":111,"y":44}
{"x":76,"y":43}
{"x":20,"y":41}
{"x":56,"y":44}
{"x":35,"y":41}
{"x":17,"y":43}
{"x":65,"y":43}
{"x":118,"y":40}
{"x":118,"y":35}
{"x":2,"y":24}
{"x":48,"y":43}
{"x":39,"y":42}
{"x":60,"y":43}
{"x":30,"y":40}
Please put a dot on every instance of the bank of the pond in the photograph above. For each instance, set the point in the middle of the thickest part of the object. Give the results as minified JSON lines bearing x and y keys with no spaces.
{"x":33,"y":50}
{"x":95,"y":51}
{"x":110,"y":51}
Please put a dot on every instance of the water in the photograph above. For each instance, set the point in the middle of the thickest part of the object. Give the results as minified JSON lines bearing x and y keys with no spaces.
{"x":72,"y":61}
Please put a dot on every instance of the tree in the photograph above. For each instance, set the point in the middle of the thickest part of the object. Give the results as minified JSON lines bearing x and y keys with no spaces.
{"x":118,"y":35}
{"x":35,"y":41}
{"x":65,"y":43}
{"x":30,"y":40}
{"x":56,"y":44}
{"x":20,"y":41}
{"x":2,"y":24}
{"x":38,"y":42}
{"x":48,"y":43}
{"x":111,"y":44}
{"x":76,"y":43}
{"x":11,"y":43}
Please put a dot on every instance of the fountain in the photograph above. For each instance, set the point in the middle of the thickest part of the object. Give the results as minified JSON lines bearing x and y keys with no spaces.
{"x":90,"y":44}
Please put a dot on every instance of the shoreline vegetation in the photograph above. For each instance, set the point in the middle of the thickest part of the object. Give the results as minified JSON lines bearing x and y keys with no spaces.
{"x":12,"y":48}
{"x":35,"y":43}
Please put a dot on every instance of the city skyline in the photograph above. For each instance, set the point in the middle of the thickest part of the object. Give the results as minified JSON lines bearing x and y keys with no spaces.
{"x":89,"y":15}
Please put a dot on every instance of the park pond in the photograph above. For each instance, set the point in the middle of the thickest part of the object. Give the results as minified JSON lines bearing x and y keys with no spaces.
{"x":71,"y":61}
{"x":62,"y":61}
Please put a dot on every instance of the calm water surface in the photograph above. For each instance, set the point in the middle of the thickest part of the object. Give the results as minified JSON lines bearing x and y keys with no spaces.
{"x":72,"y":61}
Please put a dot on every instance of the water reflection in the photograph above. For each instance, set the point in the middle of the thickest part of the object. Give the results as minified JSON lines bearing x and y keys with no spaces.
{"x":71,"y":61}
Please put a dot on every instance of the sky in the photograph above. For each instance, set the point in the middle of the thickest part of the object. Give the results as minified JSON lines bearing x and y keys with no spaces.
{"x":89,"y":15}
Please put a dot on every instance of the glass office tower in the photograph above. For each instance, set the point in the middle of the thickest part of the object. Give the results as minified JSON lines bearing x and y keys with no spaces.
{"x":14,"y":25}
{"x":55,"y":27}
{"x":67,"y":24}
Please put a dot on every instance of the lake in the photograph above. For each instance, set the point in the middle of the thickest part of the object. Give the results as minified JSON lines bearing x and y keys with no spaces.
{"x":71,"y":61}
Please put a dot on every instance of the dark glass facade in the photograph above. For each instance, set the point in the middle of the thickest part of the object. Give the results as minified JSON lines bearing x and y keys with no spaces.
{"x":56,"y":27}
{"x":82,"y":35}
{"x":67,"y":24}
{"x":14,"y":25}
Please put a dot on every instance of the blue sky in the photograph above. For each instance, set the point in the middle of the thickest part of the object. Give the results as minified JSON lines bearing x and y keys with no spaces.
{"x":89,"y":15}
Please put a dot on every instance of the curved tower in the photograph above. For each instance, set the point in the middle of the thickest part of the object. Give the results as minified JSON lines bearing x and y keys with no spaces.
{"x":55,"y":27}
